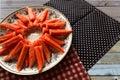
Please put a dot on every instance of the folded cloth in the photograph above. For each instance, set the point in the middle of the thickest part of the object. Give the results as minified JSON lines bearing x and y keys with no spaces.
{"x":70,"y":68}
{"x":94,"y":33}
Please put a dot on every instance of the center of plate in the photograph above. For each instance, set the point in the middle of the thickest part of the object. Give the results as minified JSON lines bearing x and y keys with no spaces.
{"x":33,"y":35}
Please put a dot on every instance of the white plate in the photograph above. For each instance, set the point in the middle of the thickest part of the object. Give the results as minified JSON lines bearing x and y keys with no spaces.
{"x":55,"y":58}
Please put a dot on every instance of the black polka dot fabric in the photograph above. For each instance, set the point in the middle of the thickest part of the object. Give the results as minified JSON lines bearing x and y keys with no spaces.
{"x":74,"y":10}
{"x":94,"y":33}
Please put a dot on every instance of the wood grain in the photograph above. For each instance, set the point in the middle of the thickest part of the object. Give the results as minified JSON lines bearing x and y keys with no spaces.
{"x":103,"y":3}
{"x":111,"y":11}
{"x":105,"y":69}
{"x":116,"y":47}
{"x":105,"y":77}
{"x":110,"y":58}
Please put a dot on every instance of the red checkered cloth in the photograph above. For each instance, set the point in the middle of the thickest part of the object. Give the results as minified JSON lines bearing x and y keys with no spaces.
{"x":70,"y":68}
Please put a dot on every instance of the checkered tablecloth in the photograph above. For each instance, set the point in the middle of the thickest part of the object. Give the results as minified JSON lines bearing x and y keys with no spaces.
{"x":70,"y":68}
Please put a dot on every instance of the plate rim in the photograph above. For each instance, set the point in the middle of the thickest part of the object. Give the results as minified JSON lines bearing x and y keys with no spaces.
{"x":53,"y":64}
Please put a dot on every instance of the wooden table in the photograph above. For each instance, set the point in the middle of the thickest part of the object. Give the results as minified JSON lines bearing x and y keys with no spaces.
{"x":107,"y":68}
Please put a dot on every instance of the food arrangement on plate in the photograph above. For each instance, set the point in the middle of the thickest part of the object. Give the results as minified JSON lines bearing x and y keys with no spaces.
{"x":16,"y":48}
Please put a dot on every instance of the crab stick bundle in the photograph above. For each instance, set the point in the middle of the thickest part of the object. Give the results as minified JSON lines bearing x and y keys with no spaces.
{"x":12,"y":40}
{"x":40,"y":57}
{"x":7,"y":36}
{"x":52,"y":43}
{"x":42,"y":16}
{"x":22,"y":26}
{"x":9,"y":26}
{"x":30,"y":13}
{"x":58,"y":32}
{"x":32,"y":57}
{"x":27,"y":60}
{"x":60,"y":42}
{"x":14,"y":52}
{"x":56,"y":25}
{"x":46,"y":51}
{"x":5,"y":50}
{"x":22,"y":57}
{"x":45,"y":30}
{"x":53,"y":20}
{"x":23,"y":18}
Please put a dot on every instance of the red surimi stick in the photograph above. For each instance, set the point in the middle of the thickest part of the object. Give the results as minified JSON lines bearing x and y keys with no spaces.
{"x":60,"y":42}
{"x":56,"y":25}
{"x":46,"y":52}
{"x":7,"y":36}
{"x":12,"y":40}
{"x":30,"y":13}
{"x":23,"y":18}
{"x":53,"y":44}
{"x":32,"y":57}
{"x":9,"y":26}
{"x":22,"y":57}
{"x":59,"y":32}
{"x":27,"y":60}
{"x":39,"y":56}
{"x":14,"y":52}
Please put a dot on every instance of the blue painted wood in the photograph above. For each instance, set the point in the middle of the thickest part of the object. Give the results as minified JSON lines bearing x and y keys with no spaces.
{"x":105,"y":69}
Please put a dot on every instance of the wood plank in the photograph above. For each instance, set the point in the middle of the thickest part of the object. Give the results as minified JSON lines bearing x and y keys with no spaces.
{"x":117,"y":18}
{"x":111,"y":11}
{"x":5,"y":12}
{"x":103,"y":3}
{"x":110,"y":58}
{"x":116,"y":47}
{"x":105,"y":69}
{"x":12,"y":3}
{"x":21,"y":3}
{"x":105,"y":77}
